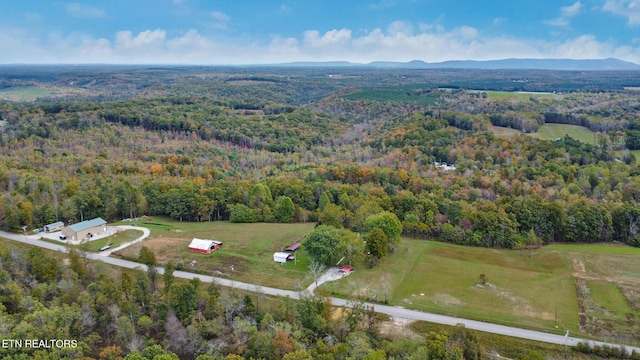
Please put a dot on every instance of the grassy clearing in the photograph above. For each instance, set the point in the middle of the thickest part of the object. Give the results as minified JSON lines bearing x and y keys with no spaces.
{"x":115,"y":240}
{"x":555,"y":131}
{"x":546,"y":289}
{"x":609,"y":296}
{"x":516,"y":95}
{"x":248,"y":248}
{"x":525,"y":289}
{"x":24,"y":93}
{"x":504,"y":132}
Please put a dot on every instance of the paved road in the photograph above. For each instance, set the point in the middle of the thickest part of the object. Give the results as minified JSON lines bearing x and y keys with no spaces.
{"x":393,"y":311}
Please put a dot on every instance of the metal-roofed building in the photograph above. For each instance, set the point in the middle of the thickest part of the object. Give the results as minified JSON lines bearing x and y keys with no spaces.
{"x":85,"y":229}
{"x":58,"y":225}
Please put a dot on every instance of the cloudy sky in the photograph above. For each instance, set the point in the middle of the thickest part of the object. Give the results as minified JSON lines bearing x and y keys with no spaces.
{"x":276,"y":31}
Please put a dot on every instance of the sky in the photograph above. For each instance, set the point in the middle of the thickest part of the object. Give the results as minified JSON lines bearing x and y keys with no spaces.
{"x":244,"y":32}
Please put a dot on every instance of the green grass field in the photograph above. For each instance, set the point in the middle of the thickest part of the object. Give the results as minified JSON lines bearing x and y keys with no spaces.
{"x":248,"y":248}
{"x":551,"y":132}
{"x":504,"y":132}
{"x":24,"y":93}
{"x":519,"y":95}
{"x":115,"y":240}
{"x":544,"y":289}
{"x":534,"y":289}
{"x":443,"y":278}
{"x":554,"y":131}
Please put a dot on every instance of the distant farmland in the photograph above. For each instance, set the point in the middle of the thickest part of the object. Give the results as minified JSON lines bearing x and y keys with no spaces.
{"x":551,"y":132}
{"x":554,"y":131}
{"x":24,"y":93}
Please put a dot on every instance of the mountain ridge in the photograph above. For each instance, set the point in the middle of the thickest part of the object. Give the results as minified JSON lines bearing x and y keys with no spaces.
{"x":510,"y":63}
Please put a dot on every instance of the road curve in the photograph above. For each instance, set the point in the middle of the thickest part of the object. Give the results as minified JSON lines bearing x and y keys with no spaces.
{"x":394,"y":311}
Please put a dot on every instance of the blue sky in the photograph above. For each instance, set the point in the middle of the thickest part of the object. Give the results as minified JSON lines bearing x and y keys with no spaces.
{"x":275,"y":31}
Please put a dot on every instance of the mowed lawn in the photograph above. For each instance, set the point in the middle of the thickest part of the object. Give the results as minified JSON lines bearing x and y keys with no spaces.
{"x":544,"y":289}
{"x":550,"y":132}
{"x":246,"y":254}
{"x":114,"y":240}
{"x":531,"y":289}
{"x":519,"y":95}
{"x":555,"y":131}
{"x":24,"y":93}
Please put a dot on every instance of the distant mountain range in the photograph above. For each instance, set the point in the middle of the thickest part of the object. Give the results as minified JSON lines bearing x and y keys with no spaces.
{"x":534,"y":64}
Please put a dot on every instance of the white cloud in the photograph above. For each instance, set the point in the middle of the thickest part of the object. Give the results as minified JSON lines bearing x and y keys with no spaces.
{"x":558,"y":22}
{"x":626,"y":8}
{"x":400,"y":41}
{"x":220,"y":20}
{"x":584,"y":47}
{"x":285,"y":10}
{"x":220,"y":16}
{"x":400,"y":27}
{"x":84,"y":11}
{"x":567,"y":13}
{"x":331,"y":38}
{"x":499,"y":21}
{"x":571,"y":11}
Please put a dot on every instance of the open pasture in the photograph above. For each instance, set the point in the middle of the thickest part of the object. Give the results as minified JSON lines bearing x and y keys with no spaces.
{"x":555,"y":131}
{"x":516,"y":95}
{"x":538,"y":289}
{"x":590,"y":290}
{"x":504,"y":132}
{"x":607,"y":281}
{"x":115,"y":240}
{"x":551,"y":132}
{"x":246,"y":254}
{"x":24,"y":93}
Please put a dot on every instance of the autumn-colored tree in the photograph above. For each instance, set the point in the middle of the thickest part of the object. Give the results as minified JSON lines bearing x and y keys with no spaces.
{"x":377,"y":243}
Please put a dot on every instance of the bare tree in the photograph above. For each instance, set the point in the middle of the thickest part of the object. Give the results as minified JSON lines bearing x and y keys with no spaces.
{"x":316,"y":269}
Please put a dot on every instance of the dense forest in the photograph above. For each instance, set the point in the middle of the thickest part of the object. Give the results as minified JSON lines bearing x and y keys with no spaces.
{"x":237,"y":144}
{"x":344,"y":149}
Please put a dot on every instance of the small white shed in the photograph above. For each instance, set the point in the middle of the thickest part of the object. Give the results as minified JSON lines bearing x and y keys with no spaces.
{"x":282,"y":257}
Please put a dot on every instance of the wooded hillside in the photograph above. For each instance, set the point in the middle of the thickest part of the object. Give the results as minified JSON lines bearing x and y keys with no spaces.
{"x":201,"y":146}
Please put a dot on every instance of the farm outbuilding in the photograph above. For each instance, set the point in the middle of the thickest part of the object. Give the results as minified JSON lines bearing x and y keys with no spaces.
{"x":204,"y":246}
{"x":282,"y":257}
{"x":85,"y":229}
{"x":293,"y":247}
{"x":58,"y":225}
{"x":346,"y":269}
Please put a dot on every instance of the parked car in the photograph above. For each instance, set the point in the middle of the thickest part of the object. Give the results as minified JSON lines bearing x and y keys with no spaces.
{"x":63,"y":237}
{"x":106,"y":247}
{"x":38,"y":230}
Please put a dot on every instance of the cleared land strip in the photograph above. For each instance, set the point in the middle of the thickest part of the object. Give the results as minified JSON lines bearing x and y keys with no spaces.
{"x":393,"y":311}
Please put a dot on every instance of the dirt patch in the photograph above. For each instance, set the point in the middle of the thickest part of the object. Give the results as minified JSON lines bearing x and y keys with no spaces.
{"x":632,"y":294}
{"x":578,"y":266}
{"x":446,"y":300}
{"x":397,"y":328}
{"x":160,"y":243}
